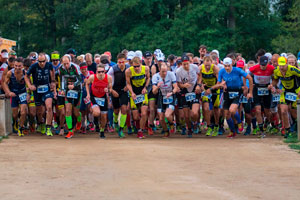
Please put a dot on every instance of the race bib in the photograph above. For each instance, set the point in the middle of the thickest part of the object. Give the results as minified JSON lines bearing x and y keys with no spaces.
{"x":72,"y":94}
{"x":244,"y":99}
{"x":167,"y":100}
{"x":233,"y":95}
{"x":276,"y":97}
{"x":291,"y":96}
{"x":22,"y":97}
{"x":100,"y":101}
{"x":190,"y":96}
{"x":262,"y":91}
{"x":208,"y":96}
{"x":139,"y":99}
{"x":42,"y":88}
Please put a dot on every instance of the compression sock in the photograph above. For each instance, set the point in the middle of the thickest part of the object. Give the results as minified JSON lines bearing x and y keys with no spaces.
{"x":230,"y":124}
{"x":253,"y":121}
{"x":79,"y":117}
{"x":115,"y":118}
{"x":122,"y":120}
{"x":69,"y":123}
{"x":238,"y":117}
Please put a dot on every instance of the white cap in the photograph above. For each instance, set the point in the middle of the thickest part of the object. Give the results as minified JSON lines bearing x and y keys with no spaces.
{"x":269,"y":56}
{"x":47,"y":57}
{"x":283,"y":55}
{"x":130,"y":55}
{"x":216,"y":51}
{"x":157,"y":51}
{"x":139,"y":54}
{"x":160,"y":57}
{"x":227,"y":61}
{"x":4,"y":55}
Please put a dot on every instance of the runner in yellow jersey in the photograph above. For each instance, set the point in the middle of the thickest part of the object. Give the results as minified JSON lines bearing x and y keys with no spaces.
{"x":210,"y":98}
{"x":138,"y":79}
{"x":290,"y":91}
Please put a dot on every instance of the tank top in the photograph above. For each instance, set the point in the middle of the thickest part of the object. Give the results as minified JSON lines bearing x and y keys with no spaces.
{"x":138,"y":80}
{"x":98,"y":86}
{"x":16,"y":86}
{"x":208,"y":78}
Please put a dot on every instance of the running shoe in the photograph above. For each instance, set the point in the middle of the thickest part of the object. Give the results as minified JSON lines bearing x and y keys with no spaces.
{"x":70,"y":135}
{"x":215,"y":131}
{"x":190,"y":133}
{"x":248,"y":130}
{"x":209,"y":132}
{"x":83,"y":130}
{"x":32,"y":128}
{"x":101,"y":135}
{"x":49,"y":132}
{"x":261,"y":134}
{"x":172,"y":129}
{"x":55,"y":125}
{"x":129,"y":131}
{"x":196,"y":128}
{"x":221,"y":131}
{"x":43,"y":128}
{"x":121,"y":134}
{"x":183,"y":131}
{"x":16,"y":127}
{"x":255,"y":131}
{"x":166,"y":134}
{"x":274,"y":131}
{"x":20,"y":132}
{"x":240,"y":127}
{"x":78,"y":126}
{"x":140,"y":135}
{"x":150,"y":131}
{"x":111,"y":129}
{"x":116,"y":127}
{"x":231,"y":134}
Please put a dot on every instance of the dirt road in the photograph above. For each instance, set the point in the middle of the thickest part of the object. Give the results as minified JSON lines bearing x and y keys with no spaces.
{"x":85,"y":167}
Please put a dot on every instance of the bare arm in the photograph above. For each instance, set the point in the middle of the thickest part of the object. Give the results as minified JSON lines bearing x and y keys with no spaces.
{"x":128,"y":77}
{"x":5,"y":83}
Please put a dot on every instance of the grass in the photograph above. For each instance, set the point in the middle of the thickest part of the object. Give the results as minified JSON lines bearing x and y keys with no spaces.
{"x":294,"y":142}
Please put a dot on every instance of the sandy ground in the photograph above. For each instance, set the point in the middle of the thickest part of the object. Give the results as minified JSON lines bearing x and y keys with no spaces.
{"x":85,"y":167}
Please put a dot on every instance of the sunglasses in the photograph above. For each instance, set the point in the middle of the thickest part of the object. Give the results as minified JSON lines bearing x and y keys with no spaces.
{"x":42,"y":61}
{"x":136,"y":66}
{"x":121,"y":62}
{"x":55,"y":60}
{"x":99,"y":72}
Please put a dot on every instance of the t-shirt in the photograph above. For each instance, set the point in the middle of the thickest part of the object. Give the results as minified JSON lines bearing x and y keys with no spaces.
{"x":233,"y":79}
{"x":93,"y":67}
{"x":40,"y":76}
{"x":190,"y":76}
{"x":168,"y":82}
{"x":261,"y":77}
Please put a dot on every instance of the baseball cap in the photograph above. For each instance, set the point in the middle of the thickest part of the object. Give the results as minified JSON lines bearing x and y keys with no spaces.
{"x":283,"y":55}
{"x":160,"y":57}
{"x":240,"y":64}
{"x":71,"y":51}
{"x":263,"y":60}
{"x":130,"y":55}
{"x":227,"y":61}
{"x":147,"y":54}
{"x":139,"y":54}
{"x":157,"y":51}
{"x":33,"y":57}
{"x":107,"y":53}
{"x":185,"y":58}
{"x":216,"y":51}
{"x":281,"y":61}
{"x":4,"y":55}
{"x":55,"y":56}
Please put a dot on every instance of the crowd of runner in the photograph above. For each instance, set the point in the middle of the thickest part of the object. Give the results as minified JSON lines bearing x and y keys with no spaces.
{"x":148,"y":93}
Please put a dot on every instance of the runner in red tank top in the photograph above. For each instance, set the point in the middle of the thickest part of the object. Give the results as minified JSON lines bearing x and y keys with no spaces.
{"x":262,"y":96}
{"x":101,"y":85}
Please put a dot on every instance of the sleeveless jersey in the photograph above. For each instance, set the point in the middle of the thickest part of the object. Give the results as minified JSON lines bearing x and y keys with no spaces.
{"x":99,"y":85}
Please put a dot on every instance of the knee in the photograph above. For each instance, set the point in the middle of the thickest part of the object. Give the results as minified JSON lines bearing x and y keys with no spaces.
{"x":135,"y":117}
{"x":23,"y":112}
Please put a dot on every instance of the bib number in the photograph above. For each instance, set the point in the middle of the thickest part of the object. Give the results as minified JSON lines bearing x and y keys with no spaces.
{"x":100,"y":101}
{"x":139,"y":99}
{"x":208,"y":96}
{"x":276,"y":97}
{"x":22,"y":97}
{"x":167,"y":100}
{"x":233,"y":95}
{"x":72,"y":94}
{"x":190,"y":96}
{"x":291,"y":96}
{"x":262,"y":91}
{"x":244,"y":99}
{"x":42,"y":89}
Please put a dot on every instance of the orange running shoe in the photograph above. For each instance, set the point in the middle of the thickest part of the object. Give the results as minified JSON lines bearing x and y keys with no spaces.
{"x":78,"y":126}
{"x":70,"y":135}
{"x":150,"y":131}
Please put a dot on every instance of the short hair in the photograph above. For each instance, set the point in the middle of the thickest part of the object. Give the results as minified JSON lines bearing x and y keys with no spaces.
{"x":207,"y":58}
{"x":214,"y":57}
{"x":82,"y":64}
{"x":260,"y":52}
{"x":55,"y":52}
{"x":42,"y":54}
{"x":27,"y":62}
{"x":101,"y":65}
{"x":124,"y":51}
{"x":89,"y":55}
{"x":11,"y":59}
{"x":232,"y":56}
{"x":4,"y":51}
{"x":136,"y":60}
{"x":19,"y":59}
{"x":203,"y":47}
{"x":121,"y":55}
{"x":189,"y":55}
{"x":251,"y":62}
{"x":292,"y":56}
{"x":171,"y":57}
{"x":97,"y":55}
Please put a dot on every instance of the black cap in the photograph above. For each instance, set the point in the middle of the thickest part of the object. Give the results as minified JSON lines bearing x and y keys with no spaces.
{"x":147,"y":54}
{"x":71,"y":51}
{"x":263,"y":60}
{"x":185,"y":58}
